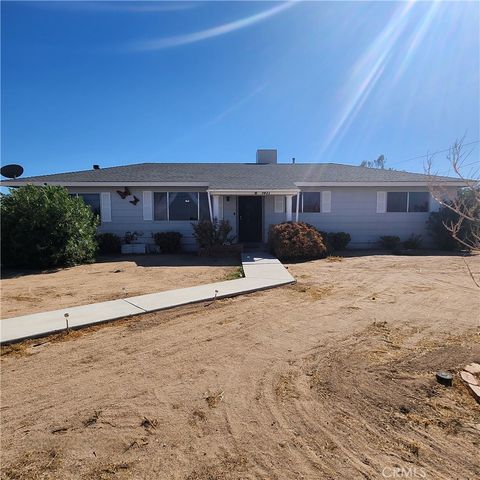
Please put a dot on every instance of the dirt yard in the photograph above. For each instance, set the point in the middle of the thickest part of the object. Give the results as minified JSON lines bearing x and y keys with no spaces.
{"x":331,"y":378}
{"x":25,"y":292}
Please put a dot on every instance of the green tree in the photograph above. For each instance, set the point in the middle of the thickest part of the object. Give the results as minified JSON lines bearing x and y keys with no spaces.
{"x":378,"y":163}
{"x":46,"y":227}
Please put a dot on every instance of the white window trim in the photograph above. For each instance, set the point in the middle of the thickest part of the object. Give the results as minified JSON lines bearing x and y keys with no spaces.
{"x":168,"y":206}
{"x":148,"y":206}
{"x":277,"y":200}
{"x":102,"y":220}
{"x":382,"y":201}
{"x":301,"y":210}
{"x":326,"y":201}
{"x":105,"y":213}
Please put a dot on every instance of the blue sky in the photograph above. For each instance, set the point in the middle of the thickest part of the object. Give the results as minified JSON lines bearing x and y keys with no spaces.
{"x":114,"y":83}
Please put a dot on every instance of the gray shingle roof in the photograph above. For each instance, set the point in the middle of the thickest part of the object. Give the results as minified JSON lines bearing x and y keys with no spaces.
{"x":233,"y":175}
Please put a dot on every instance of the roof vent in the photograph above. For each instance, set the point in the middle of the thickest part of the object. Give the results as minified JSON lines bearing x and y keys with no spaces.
{"x":267,"y":156}
{"x":96,"y":167}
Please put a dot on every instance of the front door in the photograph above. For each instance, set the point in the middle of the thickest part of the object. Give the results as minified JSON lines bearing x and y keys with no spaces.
{"x":250,"y":219}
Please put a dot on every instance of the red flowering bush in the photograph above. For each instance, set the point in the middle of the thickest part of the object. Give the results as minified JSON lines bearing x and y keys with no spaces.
{"x":296,"y":241}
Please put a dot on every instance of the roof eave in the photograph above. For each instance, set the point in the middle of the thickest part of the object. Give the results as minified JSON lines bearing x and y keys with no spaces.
{"x":410,"y":183}
{"x":20,"y":183}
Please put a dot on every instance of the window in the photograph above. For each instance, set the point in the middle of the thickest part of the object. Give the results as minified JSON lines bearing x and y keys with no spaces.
{"x":408,"y":201}
{"x":180,"y":206}
{"x":397,"y":201}
{"x":183,"y":206}
{"x":311,"y":202}
{"x":90,"y":199}
{"x":418,"y":201}
{"x":160,"y":206}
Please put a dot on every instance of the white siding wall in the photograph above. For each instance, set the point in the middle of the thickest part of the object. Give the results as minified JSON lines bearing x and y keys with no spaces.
{"x":129,"y":218}
{"x":230,"y":212}
{"x":354,"y":210}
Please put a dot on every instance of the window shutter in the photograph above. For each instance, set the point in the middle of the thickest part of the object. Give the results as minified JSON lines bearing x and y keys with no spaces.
{"x":279,"y":203}
{"x":147,"y":205}
{"x":105,"y":207}
{"x":381,"y":202}
{"x":326,"y":203}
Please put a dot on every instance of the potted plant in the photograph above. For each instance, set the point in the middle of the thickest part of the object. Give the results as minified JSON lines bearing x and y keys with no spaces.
{"x":131,"y":243}
{"x":214,"y":239}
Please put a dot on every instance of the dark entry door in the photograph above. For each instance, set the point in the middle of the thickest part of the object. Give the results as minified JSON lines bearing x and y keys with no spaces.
{"x":250,"y":219}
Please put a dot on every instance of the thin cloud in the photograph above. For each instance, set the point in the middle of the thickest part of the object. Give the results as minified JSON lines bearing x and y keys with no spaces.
{"x":366,"y":73}
{"x":235,"y":106}
{"x":178,"y":40}
{"x":123,"y":6}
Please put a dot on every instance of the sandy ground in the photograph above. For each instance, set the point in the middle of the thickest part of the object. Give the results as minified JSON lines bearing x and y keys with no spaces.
{"x":332,"y":378}
{"x":25,"y":292}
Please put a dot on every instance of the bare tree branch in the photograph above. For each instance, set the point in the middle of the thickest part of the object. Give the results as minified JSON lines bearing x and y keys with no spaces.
{"x":465,"y":202}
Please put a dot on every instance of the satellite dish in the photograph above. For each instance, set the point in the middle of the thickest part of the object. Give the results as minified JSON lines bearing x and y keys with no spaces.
{"x":11,"y":171}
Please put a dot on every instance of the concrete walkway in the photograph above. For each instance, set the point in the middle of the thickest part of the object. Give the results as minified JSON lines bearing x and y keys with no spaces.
{"x":262,"y":271}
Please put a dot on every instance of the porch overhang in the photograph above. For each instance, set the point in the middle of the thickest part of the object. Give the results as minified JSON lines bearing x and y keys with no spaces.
{"x":251,"y":192}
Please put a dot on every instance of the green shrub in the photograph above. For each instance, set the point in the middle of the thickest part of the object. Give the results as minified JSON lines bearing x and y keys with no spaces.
{"x":390,"y":242}
{"x":413,"y":242}
{"x":208,"y":234}
{"x":169,"y":242}
{"x":46,"y":227}
{"x":324,"y":237}
{"x":109,"y":243}
{"x":441,"y":237}
{"x":296,"y":241}
{"x":338,"y":240}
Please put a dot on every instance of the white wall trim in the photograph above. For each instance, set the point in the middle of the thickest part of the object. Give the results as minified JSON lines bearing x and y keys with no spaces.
{"x":279,"y":204}
{"x":381,"y":202}
{"x":148,"y":205}
{"x":259,"y":192}
{"x":105,"y":207}
{"x":326,"y":201}
{"x":379,"y":184}
{"x":20,"y":183}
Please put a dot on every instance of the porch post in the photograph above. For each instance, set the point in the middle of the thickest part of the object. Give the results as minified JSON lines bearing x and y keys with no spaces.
{"x":210,"y":206}
{"x":216,"y":207}
{"x":288,"y":209}
{"x":298,"y":204}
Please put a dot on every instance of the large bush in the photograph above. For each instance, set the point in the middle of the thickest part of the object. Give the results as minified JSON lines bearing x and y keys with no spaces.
{"x":169,"y":242}
{"x":45,"y":227}
{"x":109,"y":243}
{"x":208,"y":234}
{"x":296,"y":241}
{"x":441,"y":237}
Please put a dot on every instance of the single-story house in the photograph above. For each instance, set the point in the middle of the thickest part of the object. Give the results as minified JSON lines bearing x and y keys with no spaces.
{"x":154,"y":197}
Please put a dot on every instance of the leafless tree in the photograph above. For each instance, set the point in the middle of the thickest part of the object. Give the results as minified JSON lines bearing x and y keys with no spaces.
{"x":465,"y":202}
